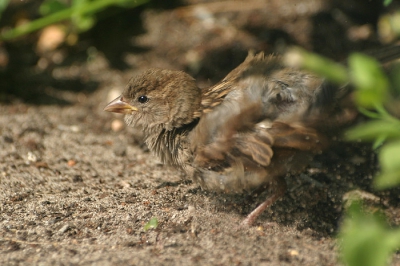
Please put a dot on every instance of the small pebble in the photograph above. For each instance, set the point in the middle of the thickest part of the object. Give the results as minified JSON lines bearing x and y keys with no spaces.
{"x":71,"y":162}
{"x":117,"y":125}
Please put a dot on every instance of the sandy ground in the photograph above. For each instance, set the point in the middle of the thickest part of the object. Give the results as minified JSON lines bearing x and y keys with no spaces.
{"x":77,"y":187}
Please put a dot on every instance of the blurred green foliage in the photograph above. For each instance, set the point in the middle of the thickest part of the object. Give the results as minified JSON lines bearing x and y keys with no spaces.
{"x":365,"y":238}
{"x":369,"y":79}
{"x":333,"y":71}
{"x":3,"y":5}
{"x":389,"y":158}
{"x":81,"y":14}
{"x":387,"y":2}
{"x":384,"y":129}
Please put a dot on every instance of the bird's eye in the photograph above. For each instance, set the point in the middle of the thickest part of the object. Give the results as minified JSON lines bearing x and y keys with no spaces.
{"x":143,"y":99}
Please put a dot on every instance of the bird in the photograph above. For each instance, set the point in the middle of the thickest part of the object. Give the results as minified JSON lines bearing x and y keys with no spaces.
{"x":242,"y":135}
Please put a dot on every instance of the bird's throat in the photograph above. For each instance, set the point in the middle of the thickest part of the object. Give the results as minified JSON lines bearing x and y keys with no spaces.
{"x":171,"y":146}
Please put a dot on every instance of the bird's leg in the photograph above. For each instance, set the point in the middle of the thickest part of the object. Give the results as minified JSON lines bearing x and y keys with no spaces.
{"x":279,"y":189}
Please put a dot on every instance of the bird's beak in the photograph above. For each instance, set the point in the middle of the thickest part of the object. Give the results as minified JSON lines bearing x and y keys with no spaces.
{"x":120,"y":106}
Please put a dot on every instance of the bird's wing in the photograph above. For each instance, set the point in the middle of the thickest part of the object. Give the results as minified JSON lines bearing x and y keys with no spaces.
{"x":237,"y":110}
{"x":259,"y":143}
{"x":254,"y":64}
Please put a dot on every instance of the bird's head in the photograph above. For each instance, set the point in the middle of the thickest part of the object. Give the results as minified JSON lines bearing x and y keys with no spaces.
{"x":158,"y":99}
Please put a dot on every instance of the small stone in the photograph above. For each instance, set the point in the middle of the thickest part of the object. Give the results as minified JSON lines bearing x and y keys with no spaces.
{"x":71,"y":163}
{"x":117,"y":125}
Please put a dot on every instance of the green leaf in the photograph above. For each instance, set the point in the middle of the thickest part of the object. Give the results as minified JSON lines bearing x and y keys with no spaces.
{"x":387,"y":180}
{"x":369,"y":79}
{"x":387,"y":2}
{"x":325,"y":67}
{"x":83,"y":23}
{"x":369,"y":113}
{"x":366,"y":239}
{"x":379,"y":141}
{"x":76,"y":3}
{"x":3,"y":5}
{"x":395,"y":79}
{"x":389,"y":159}
{"x":152,"y":224}
{"x":51,"y":6}
{"x":375,"y":129}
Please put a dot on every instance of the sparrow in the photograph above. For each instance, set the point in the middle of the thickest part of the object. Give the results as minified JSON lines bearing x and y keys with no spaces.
{"x":242,"y":135}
